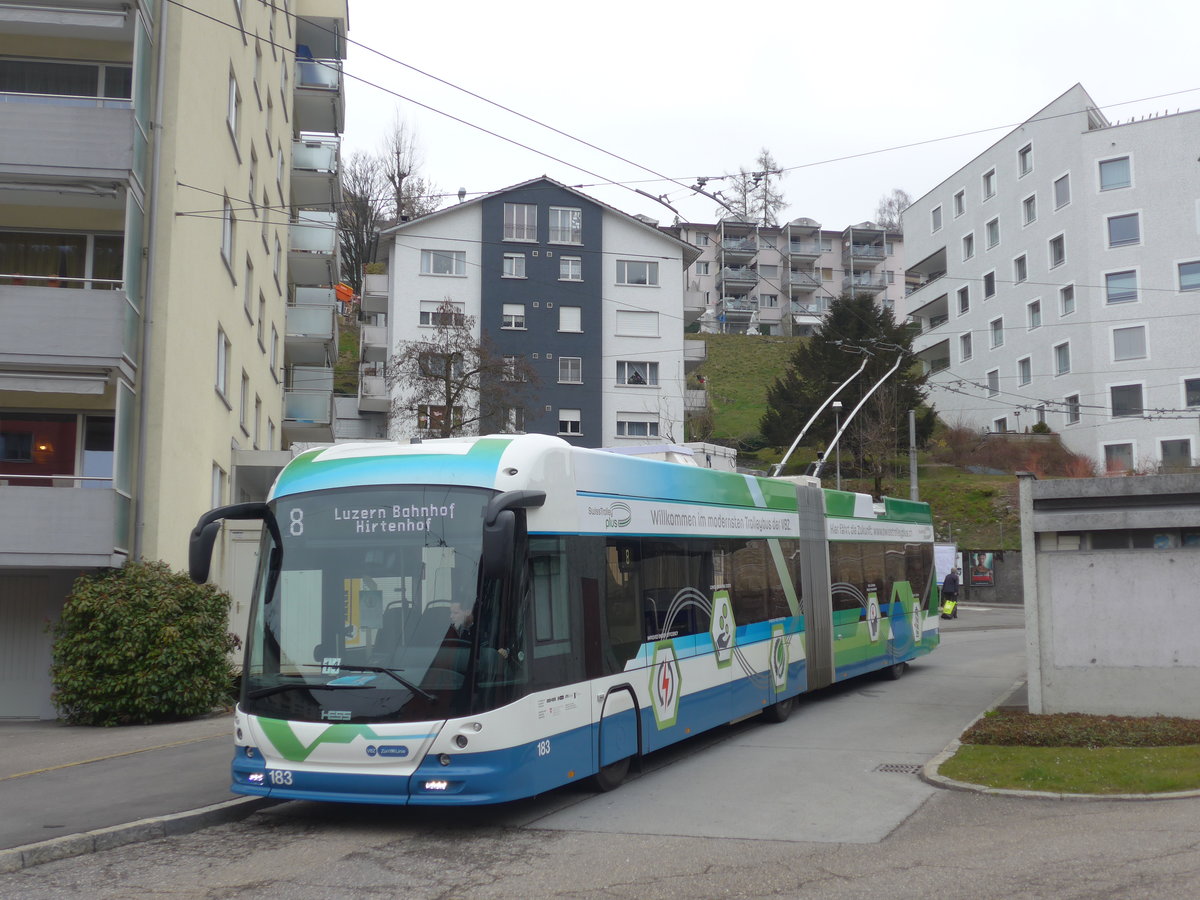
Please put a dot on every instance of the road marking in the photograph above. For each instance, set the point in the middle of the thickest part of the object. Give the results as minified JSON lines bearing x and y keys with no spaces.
{"x":84,"y":762}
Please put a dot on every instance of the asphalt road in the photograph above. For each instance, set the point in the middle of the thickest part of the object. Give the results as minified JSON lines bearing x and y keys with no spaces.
{"x":824,"y":805}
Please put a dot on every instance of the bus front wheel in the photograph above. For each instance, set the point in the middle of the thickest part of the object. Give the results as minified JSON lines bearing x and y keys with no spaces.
{"x":609,"y":777}
{"x":779,"y":712}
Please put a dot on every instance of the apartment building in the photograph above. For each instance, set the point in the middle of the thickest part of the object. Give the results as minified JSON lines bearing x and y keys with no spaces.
{"x":589,"y":297}
{"x":167,"y":256}
{"x":752,"y":278}
{"x":1056,"y":278}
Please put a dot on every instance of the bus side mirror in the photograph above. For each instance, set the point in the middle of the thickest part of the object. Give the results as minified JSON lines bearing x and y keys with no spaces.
{"x":498,"y":538}
{"x":204,"y":535}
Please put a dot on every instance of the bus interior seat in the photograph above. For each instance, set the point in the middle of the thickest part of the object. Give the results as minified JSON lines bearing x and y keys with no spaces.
{"x":389,"y":636}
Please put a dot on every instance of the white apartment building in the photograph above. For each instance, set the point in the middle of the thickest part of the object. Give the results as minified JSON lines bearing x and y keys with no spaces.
{"x":1056,"y":279}
{"x":589,"y":296}
{"x":168,"y":181}
{"x":780,"y":280}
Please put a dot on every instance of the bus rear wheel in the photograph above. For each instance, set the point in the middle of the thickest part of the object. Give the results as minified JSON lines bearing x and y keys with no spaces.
{"x":610,"y":777}
{"x":895,"y":671}
{"x":779,"y":712}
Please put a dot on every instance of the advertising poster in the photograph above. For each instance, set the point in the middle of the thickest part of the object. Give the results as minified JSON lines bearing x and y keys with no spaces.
{"x":983,"y":568}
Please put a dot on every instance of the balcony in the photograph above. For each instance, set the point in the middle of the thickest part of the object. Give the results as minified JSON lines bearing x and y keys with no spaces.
{"x":312,"y":248}
{"x":46,"y":136}
{"x":863,"y":253}
{"x":695,"y":401}
{"x":62,"y":526}
{"x":694,"y":353}
{"x":315,"y":181}
{"x":308,"y":405}
{"x":933,"y":356}
{"x":319,"y":96}
{"x":929,"y":316}
{"x":373,"y":343}
{"x":375,"y":294}
{"x":864,"y":283}
{"x":804,"y":250}
{"x":803,"y":282}
{"x":770,"y":315}
{"x":738,"y":249}
{"x":88,"y":330}
{"x":742,"y":276}
{"x":694,"y":306}
{"x":372,"y":390}
{"x":311,"y":336}
{"x":321,"y":27}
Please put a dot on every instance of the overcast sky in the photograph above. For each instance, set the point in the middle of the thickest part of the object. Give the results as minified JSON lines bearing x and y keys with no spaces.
{"x":696,"y":89}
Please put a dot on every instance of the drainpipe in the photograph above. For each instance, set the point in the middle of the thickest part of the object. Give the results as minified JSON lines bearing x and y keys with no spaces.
{"x":139,"y":501}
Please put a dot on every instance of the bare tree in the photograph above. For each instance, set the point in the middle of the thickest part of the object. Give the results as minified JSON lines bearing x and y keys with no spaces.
{"x":887,"y":213}
{"x":413,"y":194}
{"x":454,"y":383}
{"x":362,"y":213}
{"x":755,"y":195}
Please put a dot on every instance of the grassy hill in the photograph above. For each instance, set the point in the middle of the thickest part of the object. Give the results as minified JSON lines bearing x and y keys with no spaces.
{"x":739,"y":370}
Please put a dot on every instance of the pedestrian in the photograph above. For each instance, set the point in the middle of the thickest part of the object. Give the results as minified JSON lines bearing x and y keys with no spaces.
{"x":950,"y":595}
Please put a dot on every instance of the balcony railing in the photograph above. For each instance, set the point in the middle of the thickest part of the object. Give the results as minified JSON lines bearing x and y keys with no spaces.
{"x":319,"y":96}
{"x":861,"y":283}
{"x":372,"y":392}
{"x":312,"y":248}
{"x":373,"y":343}
{"x":73,"y":136}
{"x":912,"y":288}
{"x":743,"y":274}
{"x":865,"y":251}
{"x":804,"y":248}
{"x":740,"y":245}
{"x":315,"y":173}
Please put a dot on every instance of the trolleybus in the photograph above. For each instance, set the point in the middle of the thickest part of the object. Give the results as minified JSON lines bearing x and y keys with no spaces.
{"x":475,"y":620}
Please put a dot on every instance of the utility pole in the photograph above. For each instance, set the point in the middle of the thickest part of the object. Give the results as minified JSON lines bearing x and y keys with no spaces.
{"x":913,"y":492}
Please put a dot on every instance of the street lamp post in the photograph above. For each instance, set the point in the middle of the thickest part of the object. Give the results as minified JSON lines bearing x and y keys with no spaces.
{"x":837,"y":414}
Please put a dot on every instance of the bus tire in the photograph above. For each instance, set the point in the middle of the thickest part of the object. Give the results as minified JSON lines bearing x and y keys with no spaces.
{"x":779,"y":712}
{"x":610,"y":777}
{"x":895,"y":671}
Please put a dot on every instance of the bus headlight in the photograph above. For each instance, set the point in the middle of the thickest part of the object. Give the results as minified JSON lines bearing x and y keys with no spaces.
{"x":460,"y":741}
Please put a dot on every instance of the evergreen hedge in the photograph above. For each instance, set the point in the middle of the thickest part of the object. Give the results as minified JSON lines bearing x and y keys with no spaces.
{"x":141,"y":644}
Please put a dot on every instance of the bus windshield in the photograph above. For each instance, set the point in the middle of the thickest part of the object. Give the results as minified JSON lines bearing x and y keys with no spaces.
{"x":368,"y":611}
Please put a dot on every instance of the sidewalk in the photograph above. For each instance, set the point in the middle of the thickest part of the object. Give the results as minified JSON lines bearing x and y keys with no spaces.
{"x":67,"y":790}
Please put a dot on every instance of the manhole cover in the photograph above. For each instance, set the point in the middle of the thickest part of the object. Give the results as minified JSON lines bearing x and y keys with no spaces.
{"x":900,"y":768}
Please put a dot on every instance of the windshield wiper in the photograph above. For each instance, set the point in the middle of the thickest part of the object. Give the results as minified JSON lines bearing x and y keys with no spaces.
{"x":395,"y":673}
{"x":303,"y":685}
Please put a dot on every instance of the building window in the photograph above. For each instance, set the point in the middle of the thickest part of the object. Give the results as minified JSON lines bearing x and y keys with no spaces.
{"x":274,"y":353}
{"x":1114,"y":173}
{"x":514,"y":369}
{"x":1024,"y":371}
{"x":1058,"y":251}
{"x":1189,"y":276}
{"x":1062,"y":191}
{"x":1029,"y":209}
{"x":702,"y":268}
{"x":262,"y":315}
{"x":989,"y":184}
{"x":992,"y":229}
{"x":233,"y":113}
{"x":1118,"y":458}
{"x":1176,"y":454}
{"x":257,"y":420}
{"x":1129,"y":343}
{"x":989,"y":285}
{"x":570,"y":268}
{"x":1025,"y":159}
{"x":248,"y":291}
{"x":1123,"y":230}
{"x":570,"y":318}
{"x":570,"y":370}
{"x":441,"y":314}
{"x":569,"y":422}
{"x":1000,"y":426}
{"x":634,"y":271}
{"x":1062,"y":358}
{"x":965,"y":349}
{"x":1020,"y":269}
{"x":244,"y":403}
{"x":443,"y":262}
{"x":1066,"y":300}
{"x":514,"y":265}
{"x":222,"y":382}
{"x":1120,"y":287}
{"x":641,"y":428}
{"x":1072,"y":409}
{"x":993,"y":382}
{"x":637,"y":373}
{"x":935,"y":217}
{"x":996,"y":329}
{"x":433,"y":418}
{"x":514,"y":420}
{"x":968,"y":245}
{"x":964,"y":300}
{"x":520,"y":222}
{"x":635,"y":323}
{"x":512,"y":316}
{"x":1126,"y":400}
{"x":1034,"y":314}
{"x":701,"y":239}
{"x":960,"y":203}
{"x":566,"y":225}
{"x":227,"y":221}
{"x":218,"y":485}
{"x":1191,"y":391}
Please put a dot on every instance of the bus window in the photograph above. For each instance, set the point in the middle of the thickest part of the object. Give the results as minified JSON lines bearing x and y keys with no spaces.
{"x":673,"y":586}
{"x":551,"y":598}
{"x":790,"y":552}
{"x":745,"y":569}
{"x":621,"y":600}
{"x":846,"y":580}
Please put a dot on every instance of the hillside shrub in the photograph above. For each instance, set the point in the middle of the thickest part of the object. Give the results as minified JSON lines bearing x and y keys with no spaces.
{"x":141,"y":644}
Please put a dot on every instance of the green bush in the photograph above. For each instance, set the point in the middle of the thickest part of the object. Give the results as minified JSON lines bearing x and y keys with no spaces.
{"x":141,"y":644}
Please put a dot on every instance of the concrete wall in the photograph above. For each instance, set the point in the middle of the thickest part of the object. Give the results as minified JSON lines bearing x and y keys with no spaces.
{"x":1106,"y":632}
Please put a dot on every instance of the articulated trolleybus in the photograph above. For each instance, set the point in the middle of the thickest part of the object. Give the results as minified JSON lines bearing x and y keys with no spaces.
{"x":480,"y":619}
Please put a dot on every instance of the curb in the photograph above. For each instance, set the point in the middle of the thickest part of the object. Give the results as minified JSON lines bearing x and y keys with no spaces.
{"x":14,"y":859}
{"x":929,"y":774}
